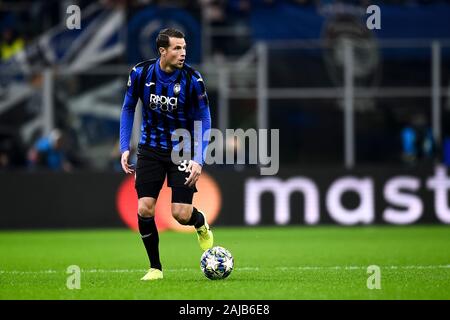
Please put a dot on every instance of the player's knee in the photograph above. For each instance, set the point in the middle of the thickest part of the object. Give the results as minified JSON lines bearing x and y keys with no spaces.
{"x":182,"y":213}
{"x":146,"y":208}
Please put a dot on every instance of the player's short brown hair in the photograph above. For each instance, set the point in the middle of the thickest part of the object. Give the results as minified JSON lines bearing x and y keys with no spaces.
{"x":163,"y":37}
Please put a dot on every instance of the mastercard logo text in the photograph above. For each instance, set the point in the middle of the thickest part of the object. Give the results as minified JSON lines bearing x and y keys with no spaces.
{"x":208,"y":199}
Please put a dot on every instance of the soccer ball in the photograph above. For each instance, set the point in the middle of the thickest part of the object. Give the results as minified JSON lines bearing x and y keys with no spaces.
{"x":216,"y":263}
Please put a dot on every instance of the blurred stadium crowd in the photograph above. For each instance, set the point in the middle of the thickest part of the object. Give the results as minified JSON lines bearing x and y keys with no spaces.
{"x":23,"y":23}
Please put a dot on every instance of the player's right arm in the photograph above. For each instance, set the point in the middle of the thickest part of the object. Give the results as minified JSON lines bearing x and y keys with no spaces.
{"x":127,"y":118}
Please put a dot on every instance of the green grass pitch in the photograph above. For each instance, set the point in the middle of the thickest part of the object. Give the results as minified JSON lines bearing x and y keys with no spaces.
{"x":270,"y":263}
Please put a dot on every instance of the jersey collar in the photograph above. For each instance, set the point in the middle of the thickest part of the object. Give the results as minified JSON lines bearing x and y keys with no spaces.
{"x":164,"y":76}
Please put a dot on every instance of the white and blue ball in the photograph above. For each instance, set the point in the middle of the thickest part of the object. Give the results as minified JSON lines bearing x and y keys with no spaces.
{"x":217,"y":263}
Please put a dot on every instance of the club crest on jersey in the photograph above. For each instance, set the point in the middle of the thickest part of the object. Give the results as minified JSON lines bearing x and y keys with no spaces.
{"x":162,"y":102}
{"x":176,"y":89}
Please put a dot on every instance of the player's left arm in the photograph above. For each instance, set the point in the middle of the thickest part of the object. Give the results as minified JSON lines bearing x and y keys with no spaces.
{"x":203,"y":115}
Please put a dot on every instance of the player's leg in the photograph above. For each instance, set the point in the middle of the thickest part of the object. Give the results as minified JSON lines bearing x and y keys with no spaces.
{"x":149,"y":235}
{"x":150,"y":175}
{"x":186,"y":214}
{"x":182,"y":209}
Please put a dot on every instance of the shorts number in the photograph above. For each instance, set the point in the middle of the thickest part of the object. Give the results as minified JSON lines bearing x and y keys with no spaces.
{"x":183,"y":166}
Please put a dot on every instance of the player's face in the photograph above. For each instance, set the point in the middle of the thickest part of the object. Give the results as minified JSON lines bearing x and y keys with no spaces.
{"x":176,"y":52}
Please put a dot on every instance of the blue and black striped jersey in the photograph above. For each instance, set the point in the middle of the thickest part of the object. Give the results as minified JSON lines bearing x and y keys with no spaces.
{"x":170,"y":101}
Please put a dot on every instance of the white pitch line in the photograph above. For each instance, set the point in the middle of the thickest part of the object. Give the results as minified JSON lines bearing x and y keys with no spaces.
{"x":299,"y":268}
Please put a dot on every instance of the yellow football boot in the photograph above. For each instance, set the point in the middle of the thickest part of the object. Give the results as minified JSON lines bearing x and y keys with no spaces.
{"x":153,"y":274}
{"x":204,"y":235}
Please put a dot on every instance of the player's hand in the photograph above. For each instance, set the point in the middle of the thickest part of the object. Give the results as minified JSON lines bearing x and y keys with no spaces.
{"x":128,"y":168}
{"x":195,"y":169}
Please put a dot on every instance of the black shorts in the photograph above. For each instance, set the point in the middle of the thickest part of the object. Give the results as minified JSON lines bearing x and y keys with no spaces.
{"x":153,"y":164}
